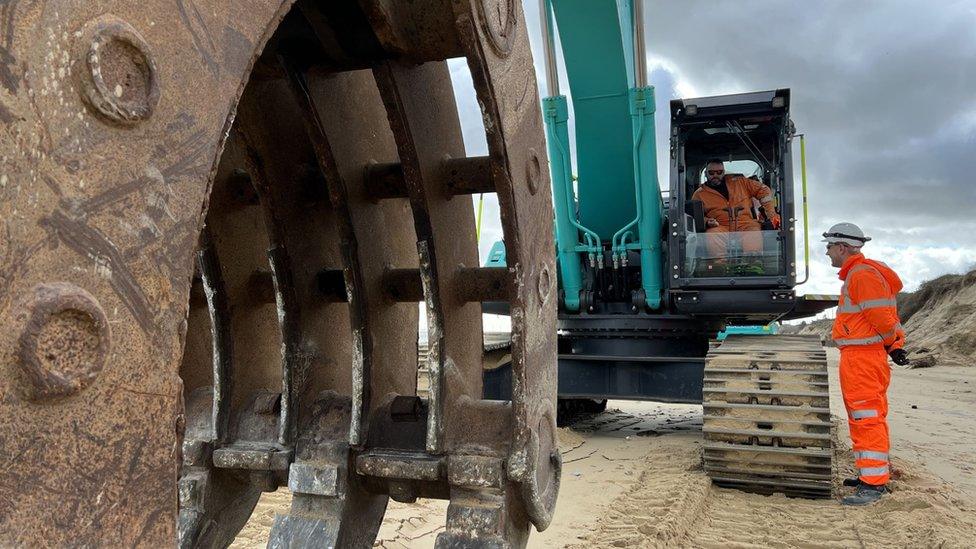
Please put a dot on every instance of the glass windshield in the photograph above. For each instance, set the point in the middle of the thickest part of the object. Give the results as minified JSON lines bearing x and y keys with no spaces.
{"x":733,"y":253}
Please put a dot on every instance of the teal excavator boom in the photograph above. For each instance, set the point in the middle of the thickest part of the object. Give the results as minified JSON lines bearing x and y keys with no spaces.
{"x":619,"y":197}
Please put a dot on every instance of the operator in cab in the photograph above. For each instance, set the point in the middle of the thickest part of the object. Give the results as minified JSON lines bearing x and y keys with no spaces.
{"x":727,"y":201}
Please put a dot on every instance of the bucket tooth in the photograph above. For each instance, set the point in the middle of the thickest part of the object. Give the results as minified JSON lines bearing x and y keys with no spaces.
{"x":330,"y":505}
{"x":220,"y":484}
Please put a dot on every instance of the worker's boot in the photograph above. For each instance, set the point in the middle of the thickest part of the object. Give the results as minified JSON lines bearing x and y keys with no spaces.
{"x":852,"y":481}
{"x":865,"y":494}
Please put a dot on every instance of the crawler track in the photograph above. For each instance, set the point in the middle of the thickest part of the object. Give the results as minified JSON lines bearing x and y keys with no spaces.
{"x":767,"y":415}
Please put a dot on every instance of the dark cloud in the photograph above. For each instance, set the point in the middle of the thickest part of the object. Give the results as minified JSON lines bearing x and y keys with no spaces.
{"x":884,"y":92}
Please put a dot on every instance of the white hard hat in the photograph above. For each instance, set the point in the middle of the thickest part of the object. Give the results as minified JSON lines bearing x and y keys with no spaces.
{"x":848,"y":233}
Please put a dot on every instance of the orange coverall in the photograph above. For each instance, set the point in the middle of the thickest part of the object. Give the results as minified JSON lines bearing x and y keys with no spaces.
{"x":866,"y":328}
{"x":733,"y":213}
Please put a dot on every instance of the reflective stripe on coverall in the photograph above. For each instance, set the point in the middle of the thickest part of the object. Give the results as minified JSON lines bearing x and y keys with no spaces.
{"x":866,"y":328}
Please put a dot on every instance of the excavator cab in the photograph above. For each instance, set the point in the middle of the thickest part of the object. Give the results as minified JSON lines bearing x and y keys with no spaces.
{"x":745,"y":266}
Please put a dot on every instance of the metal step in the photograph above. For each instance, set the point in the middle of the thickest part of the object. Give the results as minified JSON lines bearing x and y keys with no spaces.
{"x":796,"y":372}
{"x":771,"y":473}
{"x":718,"y":461}
{"x":719,"y":390}
{"x":759,"y":423}
{"x":772,"y":451}
{"x":797,"y":488}
{"x":766,"y":432}
{"x":770,"y":382}
{"x":791,"y":409}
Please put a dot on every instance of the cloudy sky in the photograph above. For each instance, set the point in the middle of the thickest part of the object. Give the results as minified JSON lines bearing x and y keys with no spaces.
{"x":885,"y":92}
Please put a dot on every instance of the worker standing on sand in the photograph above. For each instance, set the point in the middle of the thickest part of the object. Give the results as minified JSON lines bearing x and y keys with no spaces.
{"x":866,"y":329}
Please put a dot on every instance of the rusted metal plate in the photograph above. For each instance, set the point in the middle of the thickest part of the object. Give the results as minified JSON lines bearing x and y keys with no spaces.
{"x":385,"y":229}
{"x":340,"y":200}
{"x":495,"y":41}
{"x":420,"y":104}
{"x":107,"y":157}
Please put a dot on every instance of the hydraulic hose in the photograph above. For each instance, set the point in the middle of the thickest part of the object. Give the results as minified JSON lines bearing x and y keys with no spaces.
{"x":591,"y":236}
{"x":637,"y":182}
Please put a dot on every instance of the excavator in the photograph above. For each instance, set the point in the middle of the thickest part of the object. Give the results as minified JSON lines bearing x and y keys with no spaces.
{"x":218,"y":221}
{"x":644,"y":286}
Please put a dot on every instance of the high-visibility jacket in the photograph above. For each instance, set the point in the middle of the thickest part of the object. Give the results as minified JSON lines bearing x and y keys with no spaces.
{"x":867,"y":314}
{"x":733,"y":213}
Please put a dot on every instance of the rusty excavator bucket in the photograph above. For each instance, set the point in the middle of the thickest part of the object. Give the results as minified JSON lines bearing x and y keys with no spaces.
{"x":217,"y":220}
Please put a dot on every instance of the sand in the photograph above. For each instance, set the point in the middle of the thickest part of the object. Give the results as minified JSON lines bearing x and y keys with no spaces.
{"x":940,"y":320}
{"x":632,"y":477}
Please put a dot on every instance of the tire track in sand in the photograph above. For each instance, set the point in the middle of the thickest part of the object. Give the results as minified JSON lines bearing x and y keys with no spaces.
{"x":673,"y":504}
{"x":666,"y":500}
